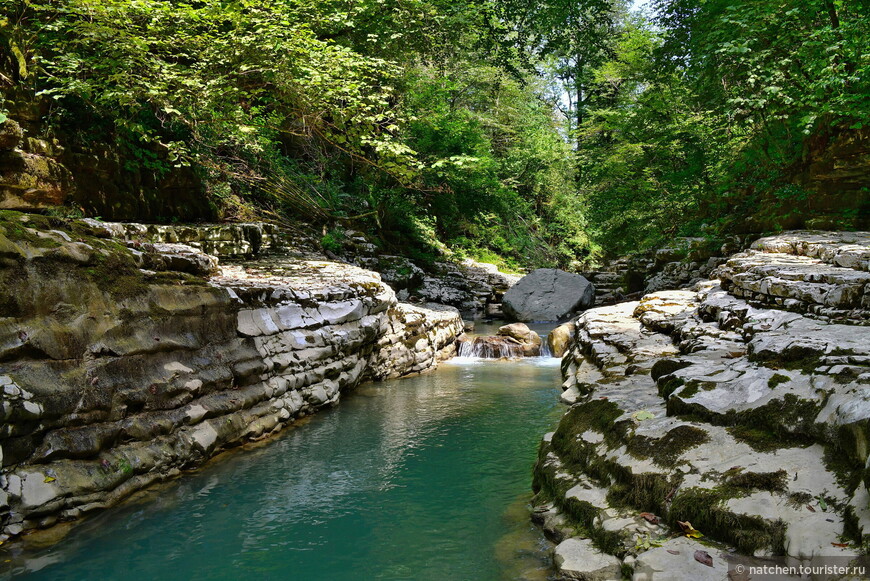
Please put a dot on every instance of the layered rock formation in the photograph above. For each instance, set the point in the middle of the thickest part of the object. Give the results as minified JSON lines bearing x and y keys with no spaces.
{"x":116,"y":375}
{"x":697,"y":412}
{"x":682,"y":263}
{"x":475,"y":288}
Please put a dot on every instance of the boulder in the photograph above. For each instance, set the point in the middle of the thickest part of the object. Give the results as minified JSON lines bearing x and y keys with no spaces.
{"x":559,"y":338}
{"x":548,"y":294}
{"x":528,"y":340}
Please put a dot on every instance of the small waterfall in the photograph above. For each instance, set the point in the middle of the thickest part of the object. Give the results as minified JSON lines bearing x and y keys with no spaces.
{"x":545,"y":347}
{"x":466,"y":349}
{"x":489,"y":348}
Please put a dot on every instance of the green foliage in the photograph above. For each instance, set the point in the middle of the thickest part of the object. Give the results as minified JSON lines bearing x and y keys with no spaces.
{"x":544,"y":133}
{"x":412,"y":116}
{"x":704,"y":119}
{"x":333,"y":240}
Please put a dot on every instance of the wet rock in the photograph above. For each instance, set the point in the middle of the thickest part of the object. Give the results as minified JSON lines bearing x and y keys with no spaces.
{"x":529,"y":341}
{"x":492,"y":347}
{"x":559,"y":338}
{"x":548,"y":294}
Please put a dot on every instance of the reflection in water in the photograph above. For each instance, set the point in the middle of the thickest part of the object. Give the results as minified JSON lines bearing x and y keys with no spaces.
{"x":412,"y":479}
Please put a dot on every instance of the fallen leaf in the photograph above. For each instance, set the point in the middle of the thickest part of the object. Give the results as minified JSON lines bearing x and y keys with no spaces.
{"x":841,"y":545}
{"x":650,"y":517}
{"x":49,"y":479}
{"x":704,"y":558}
{"x":811,"y":509}
{"x":642,"y":415}
{"x":822,"y":504}
{"x":673,"y":552}
{"x":689,"y":530}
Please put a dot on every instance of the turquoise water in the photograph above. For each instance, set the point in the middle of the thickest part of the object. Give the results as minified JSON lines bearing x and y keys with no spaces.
{"x":423,"y":478}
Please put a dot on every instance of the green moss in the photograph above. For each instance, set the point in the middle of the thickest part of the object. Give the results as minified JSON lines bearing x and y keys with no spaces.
{"x":598,"y":415}
{"x":758,"y":440}
{"x":669,"y":385}
{"x":21,"y":232}
{"x":799,"y":499}
{"x":804,"y":360}
{"x":694,"y":386}
{"x":771,"y":481}
{"x":705,"y":509}
{"x":665,"y":451}
{"x":842,"y":459}
{"x":641,"y":492}
{"x":789,"y":420}
{"x":777,"y":379}
{"x":116,"y":274}
{"x":852,"y":529}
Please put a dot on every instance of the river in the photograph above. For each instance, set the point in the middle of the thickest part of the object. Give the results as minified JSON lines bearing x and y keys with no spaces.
{"x":422,"y":478}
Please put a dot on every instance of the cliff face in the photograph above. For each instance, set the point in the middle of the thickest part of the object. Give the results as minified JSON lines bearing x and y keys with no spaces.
{"x":40,"y":169}
{"x":120,"y":367}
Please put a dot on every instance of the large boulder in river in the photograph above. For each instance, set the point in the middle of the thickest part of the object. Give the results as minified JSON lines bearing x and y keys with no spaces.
{"x":548,"y":294}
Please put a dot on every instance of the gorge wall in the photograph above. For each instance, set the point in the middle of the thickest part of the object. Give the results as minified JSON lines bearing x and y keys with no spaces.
{"x":127,"y":357}
{"x":736,"y":411}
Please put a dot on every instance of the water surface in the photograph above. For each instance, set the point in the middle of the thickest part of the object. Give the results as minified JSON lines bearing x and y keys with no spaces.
{"x":423,"y":478}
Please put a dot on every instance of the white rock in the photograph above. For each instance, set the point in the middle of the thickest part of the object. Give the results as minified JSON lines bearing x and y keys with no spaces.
{"x":579,"y":559}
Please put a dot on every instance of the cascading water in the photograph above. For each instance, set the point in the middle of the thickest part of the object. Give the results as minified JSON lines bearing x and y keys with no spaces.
{"x":498,"y":346}
{"x":490,"y":348}
{"x":545,"y":347}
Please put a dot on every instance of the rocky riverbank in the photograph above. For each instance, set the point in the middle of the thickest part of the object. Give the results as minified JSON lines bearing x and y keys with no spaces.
{"x":128,"y":354}
{"x":730,"y":419}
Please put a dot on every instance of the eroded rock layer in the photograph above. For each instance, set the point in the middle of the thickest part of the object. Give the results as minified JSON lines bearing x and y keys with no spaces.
{"x":114,"y":376}
{"x":695,"y":410}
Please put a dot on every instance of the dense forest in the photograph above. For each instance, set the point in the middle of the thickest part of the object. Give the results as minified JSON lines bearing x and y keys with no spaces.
{"x":546,"y":132}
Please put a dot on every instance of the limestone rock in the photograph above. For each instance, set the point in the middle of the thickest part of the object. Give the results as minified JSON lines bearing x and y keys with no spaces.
{"x":113,"y":377}
{"x":496,"y":347}
{"x":559,"y":338}
{"x":31,"y":182}
{"x":178,"y":258}
{"x":675,"y":561}
{"x":578,"y":559}
{"x":529,"y":341}
{"x":717,"y":405}
{"x":548,"y":294}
